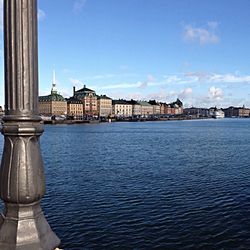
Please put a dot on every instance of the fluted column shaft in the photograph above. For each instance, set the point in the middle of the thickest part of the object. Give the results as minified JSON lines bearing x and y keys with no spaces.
{"x":22,"y":185}
{"x":21,"y":67}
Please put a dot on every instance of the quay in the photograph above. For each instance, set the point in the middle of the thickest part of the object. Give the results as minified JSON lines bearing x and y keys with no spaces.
{"x":70,"y":122}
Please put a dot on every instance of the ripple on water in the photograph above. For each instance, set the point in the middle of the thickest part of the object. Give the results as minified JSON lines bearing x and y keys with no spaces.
{"x":154,"y":185}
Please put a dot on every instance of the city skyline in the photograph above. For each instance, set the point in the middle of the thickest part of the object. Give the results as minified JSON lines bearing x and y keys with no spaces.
{"x":161,"y":50}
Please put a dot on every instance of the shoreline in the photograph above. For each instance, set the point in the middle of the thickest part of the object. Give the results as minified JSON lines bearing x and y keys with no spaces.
{"x":71,"y":122}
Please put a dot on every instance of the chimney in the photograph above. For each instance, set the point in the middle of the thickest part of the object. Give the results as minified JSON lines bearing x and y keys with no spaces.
{"x":74,"y":90}
{"x":84,"y":86}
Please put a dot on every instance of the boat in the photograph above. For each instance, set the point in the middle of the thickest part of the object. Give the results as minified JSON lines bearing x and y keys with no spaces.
{"x":218,"y":114}
{"x":46,"y":118}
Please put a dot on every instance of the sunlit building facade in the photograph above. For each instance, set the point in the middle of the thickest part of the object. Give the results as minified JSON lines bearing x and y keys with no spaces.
{"x":104,"y":106}
{"x":74,"y":108}
{"x":89,"y":100}
{"x":121,"y":108}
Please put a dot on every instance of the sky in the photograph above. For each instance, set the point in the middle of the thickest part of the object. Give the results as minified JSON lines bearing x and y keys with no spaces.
{"x":198,"y":51}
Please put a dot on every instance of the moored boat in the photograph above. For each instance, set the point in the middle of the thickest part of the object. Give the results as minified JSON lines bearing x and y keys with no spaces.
{"x":218,"y":114}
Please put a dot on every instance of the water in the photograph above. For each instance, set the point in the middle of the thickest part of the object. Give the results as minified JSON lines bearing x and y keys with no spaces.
{"x":150,"y":185}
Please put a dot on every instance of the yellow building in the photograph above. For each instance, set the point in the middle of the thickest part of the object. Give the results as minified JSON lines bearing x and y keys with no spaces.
{"x":75,"y":108}
{"x":104,"y":106}
{"x":89,"y":100}
{"x":156,"y":107}
{"x":146,"y":108}
{"x":53,"y":104}
{"x":136,"y":108}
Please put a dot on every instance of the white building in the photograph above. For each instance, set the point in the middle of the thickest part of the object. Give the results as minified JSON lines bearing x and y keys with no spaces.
{"x":121,"y":108}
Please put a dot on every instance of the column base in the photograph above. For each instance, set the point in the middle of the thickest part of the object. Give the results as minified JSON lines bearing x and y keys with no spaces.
{"x":24,"y":227}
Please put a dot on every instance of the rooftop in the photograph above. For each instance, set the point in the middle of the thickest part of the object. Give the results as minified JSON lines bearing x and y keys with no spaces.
{"x":84,"y":90}
{"x":73,"y":100}
{"x":103,"y":97}
{"x":144,"y":103}
{"x":120,"y":102}
{"x":55,"y":97}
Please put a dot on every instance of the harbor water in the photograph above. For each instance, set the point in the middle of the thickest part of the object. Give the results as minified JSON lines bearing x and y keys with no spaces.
{"x":149,"y":185}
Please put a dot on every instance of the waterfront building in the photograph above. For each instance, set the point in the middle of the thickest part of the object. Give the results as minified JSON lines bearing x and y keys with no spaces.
{"x":176,"y":107}
{"x":162,"y":108}
{"x":89,"y":100}
{"x":168,"y":110}
{"x":53,"y":104}
{"x":178,"y":110}
{"x":146,"y":108}
{"x":121,"y":108}
{"x":104,"y":106}
{"x":196,"y":112}
{"x":136,"y":108}
{"x":243,"y":112}
{"x":237,"y":112}
{"x":156,"y":107}
{"x":75,"y":108}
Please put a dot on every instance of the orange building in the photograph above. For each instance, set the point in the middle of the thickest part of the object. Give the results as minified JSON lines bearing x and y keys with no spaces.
{"x":89,"y":100}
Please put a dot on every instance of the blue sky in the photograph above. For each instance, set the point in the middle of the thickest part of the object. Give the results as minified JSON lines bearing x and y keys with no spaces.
{"x":196,"y":50}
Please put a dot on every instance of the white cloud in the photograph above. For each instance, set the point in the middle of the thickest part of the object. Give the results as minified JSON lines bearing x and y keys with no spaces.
{"x":160,"y":95}
{"x":108,"y":76}
{"x":180,"y":79}
{"x":122,"y":86}
{"x":229,"y":78}
{"x":188,"y":80}
{"x":202,"y":77}
{"x":172,"y":78}
{"x":78,"y":5}
{"x":143,"y":85}
{"x":41,"y":15}
{"x":185,"y":93}
{"x":202,"y":35}
{"x":151,"y":81}
{"x":216,"y":93}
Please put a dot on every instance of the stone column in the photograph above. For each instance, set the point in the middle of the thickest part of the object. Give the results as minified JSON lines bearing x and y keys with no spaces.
{"x":22,"y":185}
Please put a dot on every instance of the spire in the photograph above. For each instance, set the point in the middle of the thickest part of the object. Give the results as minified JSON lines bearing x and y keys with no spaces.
{"x":53,"y":89}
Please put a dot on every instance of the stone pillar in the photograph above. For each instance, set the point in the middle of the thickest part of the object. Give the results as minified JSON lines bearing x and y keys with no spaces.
{"x":22,"y":185}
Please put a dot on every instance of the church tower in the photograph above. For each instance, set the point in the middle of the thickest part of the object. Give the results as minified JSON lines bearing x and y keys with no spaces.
{"x":53,"y":89}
